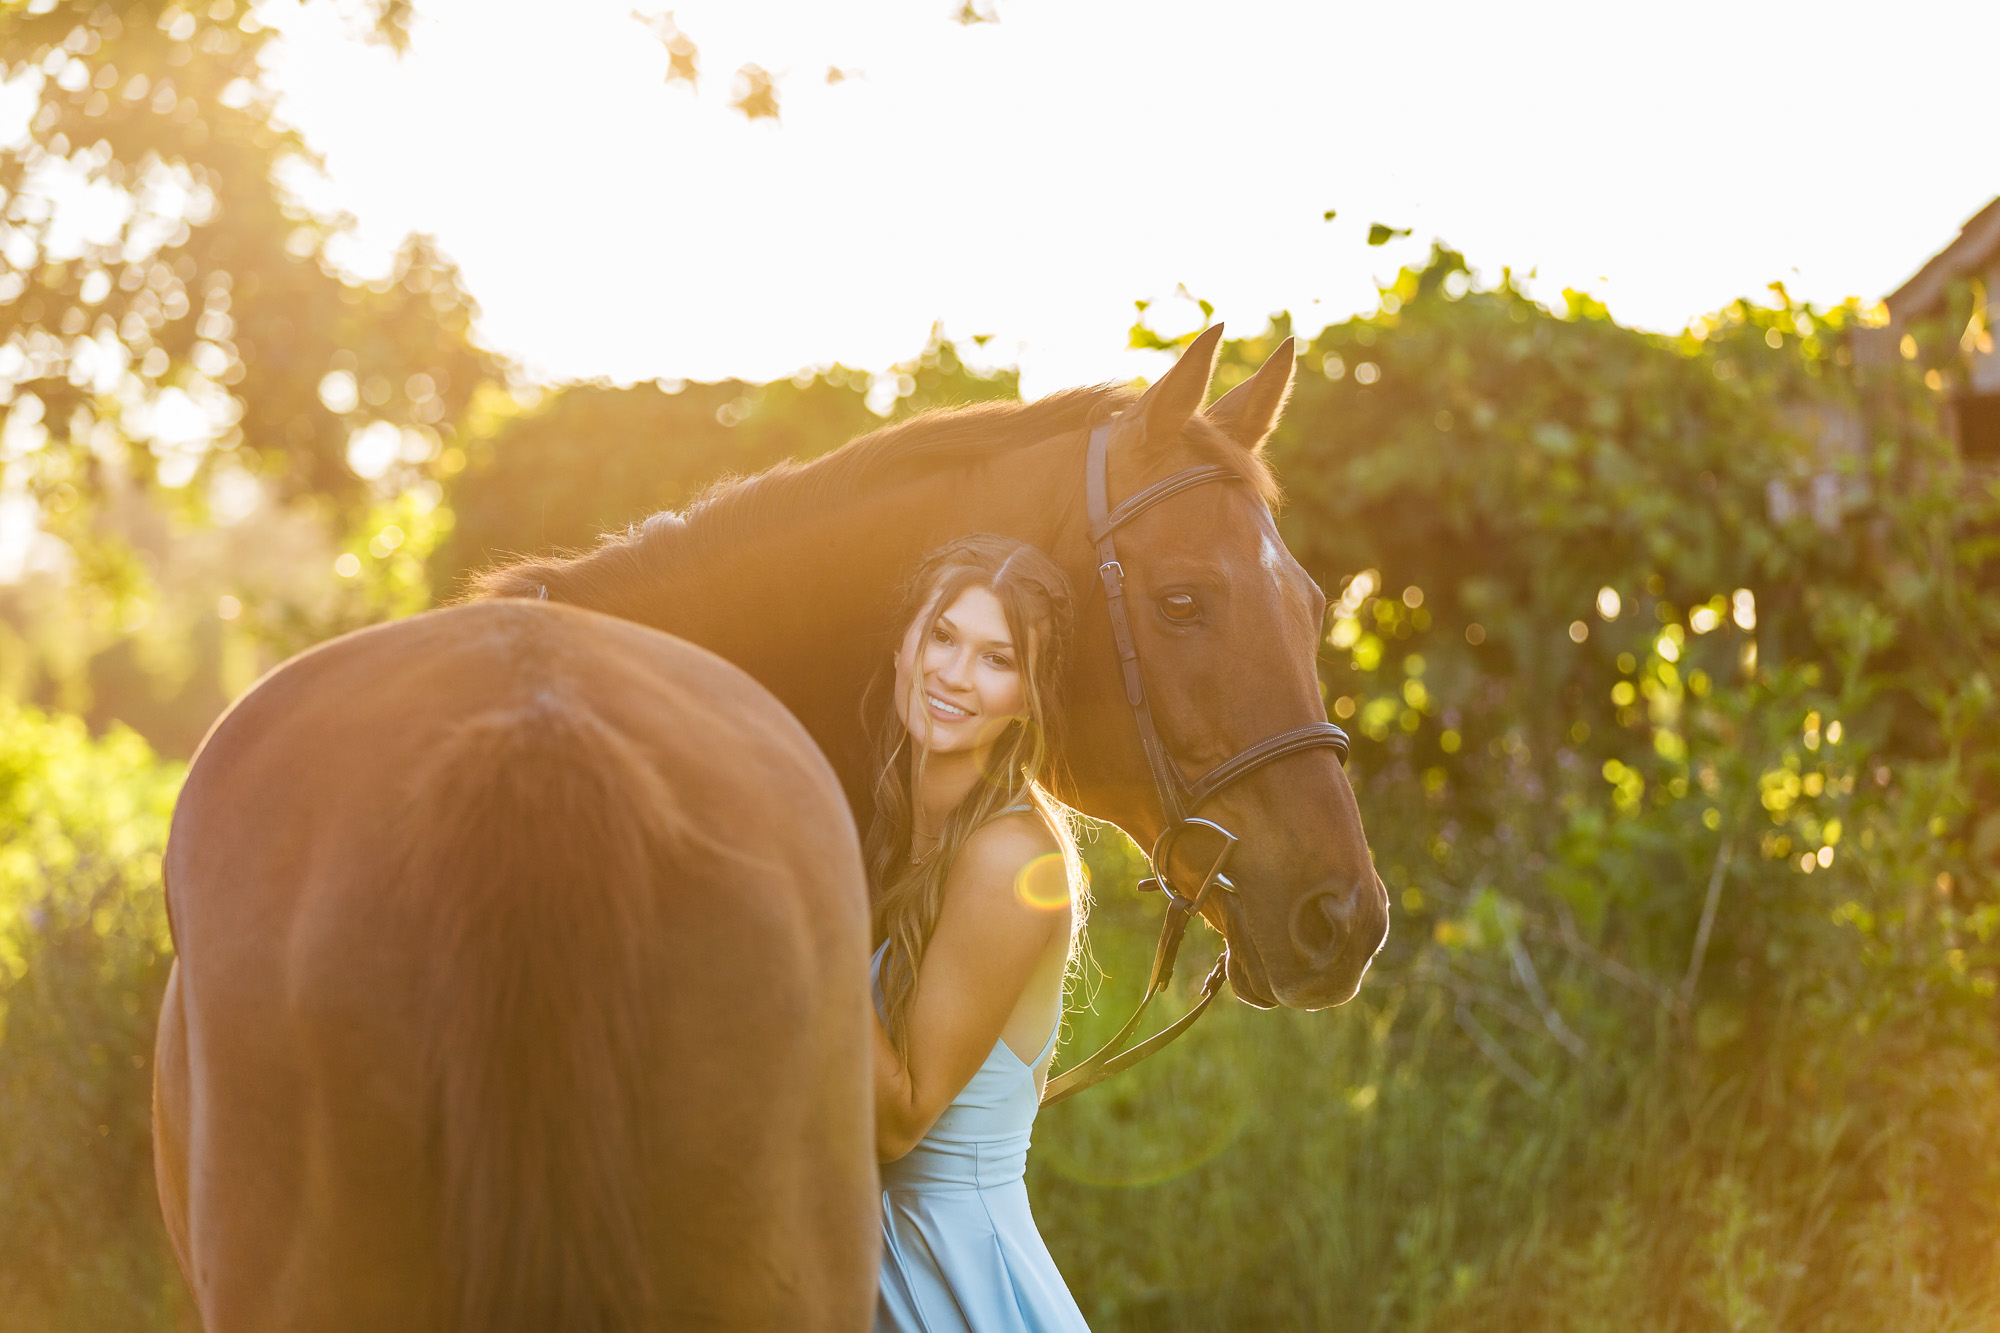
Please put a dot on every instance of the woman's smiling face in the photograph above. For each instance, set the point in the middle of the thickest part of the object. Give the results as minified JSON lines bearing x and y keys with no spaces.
{"x":958,"y":677}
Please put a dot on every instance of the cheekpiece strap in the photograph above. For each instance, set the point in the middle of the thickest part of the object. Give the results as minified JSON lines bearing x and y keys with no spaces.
{"x":1167,"y":780}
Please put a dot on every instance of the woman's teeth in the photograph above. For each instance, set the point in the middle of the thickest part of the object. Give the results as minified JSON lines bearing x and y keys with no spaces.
{"x":944,"y":707}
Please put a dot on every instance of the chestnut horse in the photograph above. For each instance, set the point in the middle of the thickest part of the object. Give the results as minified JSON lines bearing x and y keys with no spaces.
{"x":522,"y":946}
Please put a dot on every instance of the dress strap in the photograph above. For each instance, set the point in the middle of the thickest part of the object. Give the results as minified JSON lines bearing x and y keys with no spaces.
{"x":1049,"y":1049}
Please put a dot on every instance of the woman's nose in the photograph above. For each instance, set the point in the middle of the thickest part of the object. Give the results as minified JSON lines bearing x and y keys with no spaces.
{"x":956,"y":670}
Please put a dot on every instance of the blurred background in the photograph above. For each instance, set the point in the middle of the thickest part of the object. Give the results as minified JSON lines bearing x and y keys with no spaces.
{"x":1648,"y":434}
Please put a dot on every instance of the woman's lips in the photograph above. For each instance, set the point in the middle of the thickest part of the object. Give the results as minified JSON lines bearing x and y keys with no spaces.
{"x":943,"y":710}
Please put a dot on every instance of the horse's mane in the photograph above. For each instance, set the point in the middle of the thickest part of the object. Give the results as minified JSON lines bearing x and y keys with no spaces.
{"x":924,"y":444}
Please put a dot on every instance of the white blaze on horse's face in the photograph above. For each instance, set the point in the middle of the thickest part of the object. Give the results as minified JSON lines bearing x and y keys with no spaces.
{"x":1273,"y":556}
{"x":958,"y":675}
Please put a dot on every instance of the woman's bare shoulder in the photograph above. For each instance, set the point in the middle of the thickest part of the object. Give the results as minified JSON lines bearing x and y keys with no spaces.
{"x":992,"y":859}
{"x":1015,"y":838}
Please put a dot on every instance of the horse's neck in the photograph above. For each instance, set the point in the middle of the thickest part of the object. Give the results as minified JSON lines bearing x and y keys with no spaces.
{"x":803,"y":604}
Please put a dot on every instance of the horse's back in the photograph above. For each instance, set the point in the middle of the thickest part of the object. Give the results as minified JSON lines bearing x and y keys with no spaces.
{"x":522,"y":974}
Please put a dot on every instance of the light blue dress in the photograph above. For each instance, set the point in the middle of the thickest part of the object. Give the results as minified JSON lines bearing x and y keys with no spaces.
{"x":960,"y":1252}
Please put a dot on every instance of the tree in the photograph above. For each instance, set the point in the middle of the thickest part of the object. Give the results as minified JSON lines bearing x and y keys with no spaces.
{"x":158,"y":264}
{"x":176,"y":349}
{"x":591,"y":458}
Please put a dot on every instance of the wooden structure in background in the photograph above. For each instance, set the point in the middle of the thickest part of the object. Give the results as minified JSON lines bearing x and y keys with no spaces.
{"x":1974,"y":258}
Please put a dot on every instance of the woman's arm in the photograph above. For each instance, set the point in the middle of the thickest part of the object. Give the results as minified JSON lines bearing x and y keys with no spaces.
{"x":987,"y":944}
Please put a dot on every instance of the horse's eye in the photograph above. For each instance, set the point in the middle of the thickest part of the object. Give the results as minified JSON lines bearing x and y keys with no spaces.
{"x":1180,"y":606}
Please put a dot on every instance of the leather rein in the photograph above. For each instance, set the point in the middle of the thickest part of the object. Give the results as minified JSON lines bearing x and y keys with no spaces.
{"x":1180,"y":800}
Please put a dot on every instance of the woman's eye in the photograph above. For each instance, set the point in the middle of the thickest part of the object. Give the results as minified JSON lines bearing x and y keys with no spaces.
{"x":1000,"y":662}
{"x":1180,"y":606}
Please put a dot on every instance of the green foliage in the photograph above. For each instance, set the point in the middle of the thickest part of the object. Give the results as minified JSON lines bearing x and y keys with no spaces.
{"x":183,"y":352}
{"x":214,"y":291}
{"x":1689,"y":1002}
{"x":1143,"y":337}
{"x":593,"y":458}
{"x":83,"y":959}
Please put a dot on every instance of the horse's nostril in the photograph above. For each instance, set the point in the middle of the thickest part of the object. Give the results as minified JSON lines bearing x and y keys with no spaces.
{"x":1319,"y":927}
{"x":1336,"y":932}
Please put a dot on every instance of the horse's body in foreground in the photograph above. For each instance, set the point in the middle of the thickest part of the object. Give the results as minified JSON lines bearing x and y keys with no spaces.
{"x":521,"y":985}
{"x":437,"y":1090}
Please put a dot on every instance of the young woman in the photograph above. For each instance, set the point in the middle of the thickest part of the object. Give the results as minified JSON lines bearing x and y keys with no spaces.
{"x":977,"y":907}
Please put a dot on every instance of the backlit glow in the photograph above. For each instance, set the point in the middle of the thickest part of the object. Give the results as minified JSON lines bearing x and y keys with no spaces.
{"x":613,"y":221}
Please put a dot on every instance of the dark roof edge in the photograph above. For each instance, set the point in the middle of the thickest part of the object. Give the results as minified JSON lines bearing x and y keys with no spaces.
{"x":1978,"y":241}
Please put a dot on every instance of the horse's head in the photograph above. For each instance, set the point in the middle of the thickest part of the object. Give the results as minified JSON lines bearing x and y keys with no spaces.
{"x":1226,"y":626}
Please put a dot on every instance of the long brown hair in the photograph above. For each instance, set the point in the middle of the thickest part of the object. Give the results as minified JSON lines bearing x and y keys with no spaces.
{"x":1020,"y":766}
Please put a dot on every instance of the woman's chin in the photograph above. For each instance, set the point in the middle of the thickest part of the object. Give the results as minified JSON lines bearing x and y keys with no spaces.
{"x":939,"y":738}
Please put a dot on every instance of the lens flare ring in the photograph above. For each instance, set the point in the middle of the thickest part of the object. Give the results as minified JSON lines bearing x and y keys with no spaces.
{"x":1043,"y":883}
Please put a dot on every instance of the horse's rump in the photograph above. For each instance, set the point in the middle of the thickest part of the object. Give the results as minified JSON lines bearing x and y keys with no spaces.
{"x":536,"y":1000}
{"x":537,"y":1012}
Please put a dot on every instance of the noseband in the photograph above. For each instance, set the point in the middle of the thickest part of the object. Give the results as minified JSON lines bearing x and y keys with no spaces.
{"x":1181,"y":801}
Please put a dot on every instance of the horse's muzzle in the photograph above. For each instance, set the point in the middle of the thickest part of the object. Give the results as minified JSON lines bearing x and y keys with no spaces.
{"x":1335,"y":933}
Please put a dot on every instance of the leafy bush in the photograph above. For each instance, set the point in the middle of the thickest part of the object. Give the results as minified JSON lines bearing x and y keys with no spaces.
{"x":592,"y":458}
{"x":83,"y":959}
{"x":1675,"y":707}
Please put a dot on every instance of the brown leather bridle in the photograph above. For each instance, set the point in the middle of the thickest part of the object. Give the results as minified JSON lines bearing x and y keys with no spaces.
{"x":1180,"y":800}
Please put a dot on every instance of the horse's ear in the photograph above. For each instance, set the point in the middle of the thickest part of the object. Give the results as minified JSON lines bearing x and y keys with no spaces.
{"x":1247,"y":413}
{"x":1166,"y":407}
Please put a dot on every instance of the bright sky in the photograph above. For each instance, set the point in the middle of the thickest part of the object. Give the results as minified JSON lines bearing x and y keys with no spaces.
{"x":1030,"y":178}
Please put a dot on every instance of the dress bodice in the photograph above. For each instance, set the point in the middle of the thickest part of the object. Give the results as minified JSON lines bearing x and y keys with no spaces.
{"x":960,"y":1250}
{"x":982,"y":1138}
